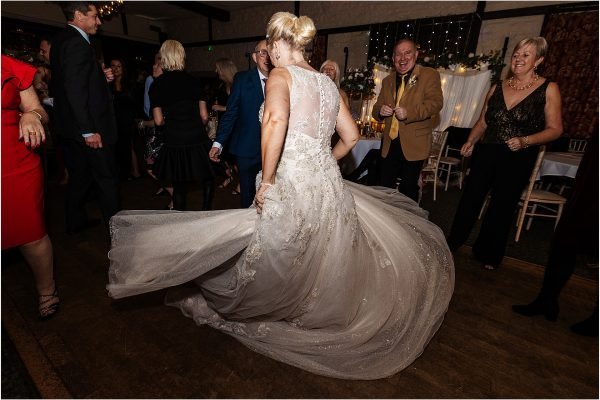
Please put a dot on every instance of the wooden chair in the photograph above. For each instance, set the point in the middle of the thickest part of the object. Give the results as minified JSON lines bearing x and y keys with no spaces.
{"x":446,"y":165}
{"x":429,"y":173}
{"x":532,"y":200}
{"x":577,"y":145}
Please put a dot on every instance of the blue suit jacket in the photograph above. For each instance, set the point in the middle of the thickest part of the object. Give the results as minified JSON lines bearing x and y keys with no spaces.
{"x":239,"y":128}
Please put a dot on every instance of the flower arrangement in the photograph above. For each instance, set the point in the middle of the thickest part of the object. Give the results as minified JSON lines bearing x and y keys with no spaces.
{"x":359,"y":82}
{"x":481,"y":62}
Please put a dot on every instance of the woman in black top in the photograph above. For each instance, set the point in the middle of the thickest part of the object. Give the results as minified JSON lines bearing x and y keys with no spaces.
{"x":521,"y":113}
{"x":179,"y":104}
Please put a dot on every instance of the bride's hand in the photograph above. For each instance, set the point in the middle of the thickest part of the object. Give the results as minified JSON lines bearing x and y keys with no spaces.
{"x":259,"y":199}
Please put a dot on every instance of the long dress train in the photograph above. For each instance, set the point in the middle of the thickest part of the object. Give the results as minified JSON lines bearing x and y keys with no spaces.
{"x":339,"y":279}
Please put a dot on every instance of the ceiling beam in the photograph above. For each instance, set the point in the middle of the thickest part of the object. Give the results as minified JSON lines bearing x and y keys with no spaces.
{"x":203,"y":9}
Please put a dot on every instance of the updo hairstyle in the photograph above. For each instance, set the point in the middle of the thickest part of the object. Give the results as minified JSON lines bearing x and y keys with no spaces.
{"x":297,"y":32}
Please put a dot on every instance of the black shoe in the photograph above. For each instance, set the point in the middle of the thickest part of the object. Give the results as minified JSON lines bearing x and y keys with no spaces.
{"x":588,"y":327}
{"x":86,"y":225}
{"x":548,"y":310}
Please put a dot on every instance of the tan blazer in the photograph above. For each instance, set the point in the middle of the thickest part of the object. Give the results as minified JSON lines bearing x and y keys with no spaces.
{"x":423,"y":101}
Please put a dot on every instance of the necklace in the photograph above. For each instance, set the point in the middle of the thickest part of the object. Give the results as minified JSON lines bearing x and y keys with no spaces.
{"x":512,"y":85}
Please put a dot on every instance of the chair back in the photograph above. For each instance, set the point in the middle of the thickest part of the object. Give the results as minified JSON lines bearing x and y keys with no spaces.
{"x":437,"y":147}
{"x":577,"y":145}
{"x":536,"y":168}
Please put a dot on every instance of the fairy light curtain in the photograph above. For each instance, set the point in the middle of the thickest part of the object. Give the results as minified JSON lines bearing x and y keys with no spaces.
{"x":434,"y":36}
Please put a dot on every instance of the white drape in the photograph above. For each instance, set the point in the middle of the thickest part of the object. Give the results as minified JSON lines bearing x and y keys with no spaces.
{"x":464,"y":95}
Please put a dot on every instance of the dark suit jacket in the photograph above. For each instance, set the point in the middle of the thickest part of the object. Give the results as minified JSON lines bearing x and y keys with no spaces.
{"x":82,"y":100}
{"x":239,"y":128}
{"x":423,"y":100}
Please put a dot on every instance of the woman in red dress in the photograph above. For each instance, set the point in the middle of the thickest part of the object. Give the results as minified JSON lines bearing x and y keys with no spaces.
{"x":22,"y":179}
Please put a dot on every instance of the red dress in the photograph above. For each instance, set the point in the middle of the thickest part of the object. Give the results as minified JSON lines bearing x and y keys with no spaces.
{"x":22,"y":175}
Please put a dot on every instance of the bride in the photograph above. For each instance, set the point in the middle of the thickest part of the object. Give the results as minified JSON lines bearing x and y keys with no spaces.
{"x":339,"y":279}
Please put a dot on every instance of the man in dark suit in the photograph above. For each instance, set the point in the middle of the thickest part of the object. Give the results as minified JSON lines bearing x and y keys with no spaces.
{"x":409,"y":102}
{"x":239,"y":127}
{"x":84,"y":116}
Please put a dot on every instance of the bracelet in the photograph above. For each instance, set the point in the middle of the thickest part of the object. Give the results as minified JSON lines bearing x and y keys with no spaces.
{"x":141,"y":124}
{"x":525,"y":142}
{"x":266,"y":184}
{"x":37,"y":114}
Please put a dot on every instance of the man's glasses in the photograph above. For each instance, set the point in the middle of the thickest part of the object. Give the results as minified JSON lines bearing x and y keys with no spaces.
{"x":262,"y":53}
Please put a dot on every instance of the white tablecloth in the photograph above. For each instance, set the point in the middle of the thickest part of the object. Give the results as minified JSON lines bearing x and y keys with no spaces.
{"x":353,"y":159}
{"x":560,"y":164}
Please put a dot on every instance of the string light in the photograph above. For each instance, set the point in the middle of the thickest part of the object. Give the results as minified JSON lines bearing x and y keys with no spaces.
{"x":433,"y":38}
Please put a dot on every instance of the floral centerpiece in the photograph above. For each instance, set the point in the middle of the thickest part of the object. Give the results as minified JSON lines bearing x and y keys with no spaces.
{"x":481,"y":62}
{"x":359,"y":82}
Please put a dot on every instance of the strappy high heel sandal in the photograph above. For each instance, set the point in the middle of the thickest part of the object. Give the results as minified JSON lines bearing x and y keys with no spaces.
{"x":48,"y":307}
{"x":226,"y":182}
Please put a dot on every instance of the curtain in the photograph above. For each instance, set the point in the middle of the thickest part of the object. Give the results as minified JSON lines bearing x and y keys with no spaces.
{"x":572,"y":62}
{"x":464,"y":95}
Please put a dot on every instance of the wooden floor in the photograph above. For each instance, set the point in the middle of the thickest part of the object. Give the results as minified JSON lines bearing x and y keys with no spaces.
{"x":137,"y":347}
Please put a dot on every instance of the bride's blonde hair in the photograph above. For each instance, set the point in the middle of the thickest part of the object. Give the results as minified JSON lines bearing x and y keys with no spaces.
{"x":298,"y":32}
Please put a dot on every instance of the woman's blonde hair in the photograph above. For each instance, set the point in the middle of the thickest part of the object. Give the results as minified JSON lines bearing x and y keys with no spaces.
{"x":297,"y":32}
{"x":172,"y":56}
{"x":539,"y":43}
{"x":228,"y":70}
{"x":337,"y":71}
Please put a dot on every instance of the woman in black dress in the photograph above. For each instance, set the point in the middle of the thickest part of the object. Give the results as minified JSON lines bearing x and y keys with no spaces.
{"x":521,"y":113}
{"x":178,"y":103}
{"x":122,"y":91}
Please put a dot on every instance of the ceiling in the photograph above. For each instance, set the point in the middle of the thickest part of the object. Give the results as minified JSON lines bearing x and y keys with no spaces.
{"x":166,"y":10}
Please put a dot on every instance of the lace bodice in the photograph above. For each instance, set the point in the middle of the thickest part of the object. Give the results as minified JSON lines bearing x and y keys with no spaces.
{"x":311,"y":123}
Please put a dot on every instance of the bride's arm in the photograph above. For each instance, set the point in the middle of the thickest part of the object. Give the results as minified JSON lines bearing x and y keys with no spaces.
{"x":275,"y":121}
{"x":348,"y":131}
{"x":274,"y":127}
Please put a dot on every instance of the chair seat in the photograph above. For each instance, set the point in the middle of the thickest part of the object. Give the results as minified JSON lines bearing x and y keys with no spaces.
{"x":449,"y":160}
{"x":544,"y":196}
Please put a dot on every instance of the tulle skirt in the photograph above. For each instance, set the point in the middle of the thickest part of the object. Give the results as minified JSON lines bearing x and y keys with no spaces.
{"x":354,"y":288}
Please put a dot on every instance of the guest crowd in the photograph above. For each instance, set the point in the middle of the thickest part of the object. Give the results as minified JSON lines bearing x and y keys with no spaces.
{"x":109,"y":127}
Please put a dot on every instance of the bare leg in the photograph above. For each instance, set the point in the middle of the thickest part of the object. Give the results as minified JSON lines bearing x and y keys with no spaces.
{"x":135,"y":166}
{"x":38,"y":255}
{"x":170,"y":190}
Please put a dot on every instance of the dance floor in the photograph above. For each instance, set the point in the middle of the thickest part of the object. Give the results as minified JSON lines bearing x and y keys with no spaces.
{"x":138,"y":348}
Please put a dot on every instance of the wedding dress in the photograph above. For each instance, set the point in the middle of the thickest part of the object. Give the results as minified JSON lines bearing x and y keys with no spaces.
{"x":336,"y":278}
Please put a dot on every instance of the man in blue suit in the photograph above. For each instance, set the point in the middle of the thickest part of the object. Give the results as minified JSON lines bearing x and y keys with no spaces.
{"x":239,"y":127}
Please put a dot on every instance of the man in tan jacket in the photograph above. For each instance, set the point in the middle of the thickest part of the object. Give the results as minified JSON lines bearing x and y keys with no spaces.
{"x":409,"y":101}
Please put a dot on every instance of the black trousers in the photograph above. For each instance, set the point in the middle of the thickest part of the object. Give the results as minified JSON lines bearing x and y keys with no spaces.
{"x":248,"y":168}
{"x":394,"y":166}
{"x":86,"y":167}
{"x":493,"y":167}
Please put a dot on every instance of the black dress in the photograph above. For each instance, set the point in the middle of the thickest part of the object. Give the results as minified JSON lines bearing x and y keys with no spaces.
{"x":125,"y":116}
{"x":500,"y":171}
{"x":184,"y":155}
